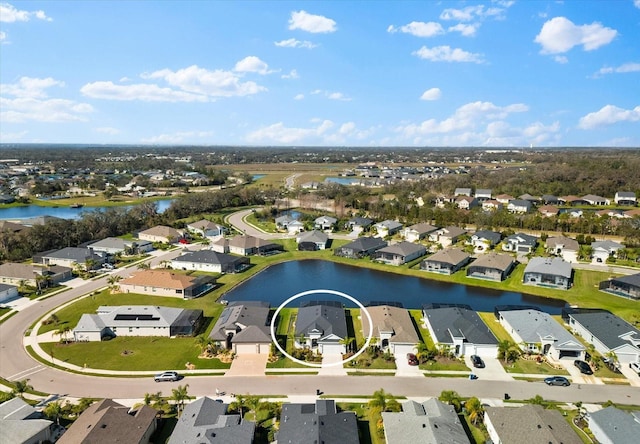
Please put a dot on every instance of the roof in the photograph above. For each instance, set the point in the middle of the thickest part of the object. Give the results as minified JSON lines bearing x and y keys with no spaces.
{"x":607,"y":328}
{"x":389,"y":224}
{"x":386,"y":318}
{"x":365,"y":244}
{"x":239,"y":316}
{"x":538,"y":425}
{"x":204,"y":224}
{"x":452,"y":256}
{"x":619,"y":426}
{"x":452,"y":232}
{"x":247,"y":242}
{"x":554,"y":266}
{"x":76,"y":254}
{"x":162,"y":230}
{"x":533,"y":326}
{"x":284,"y":219}
{"x":626,"y":194}
{"x":493,"y":260}
{"x":488,"y":234}
{"x":161,"y":279}
{"x":6,"y":225}
{"x":633,"y":279}
{"x":447,"y":322}
{"x":362,"y":221}
{"x":329,"y":320}
{"x":326,"y":220}
{"x":422,"y":227}
{"x":90,"y":322}
{"x":319,"y":423}
{"x":315,"y":236}
{"x":522,"y":239}
{"x":593,"y":197}
{"x":565,"y":242}
{"x":132,"y":315}
{"x":403,"y":248}
{"x":606,"y":245}
{"x":19,"y":422}
{"x":205,"y":421}
{"x":209,"y":257}
{"x":18,"y":271}
{"x":520,"y":203}
{"x":484,"y":191}
{"x":429,"y":422}
{"x":17,"y":408}
{"x":462,"y":191}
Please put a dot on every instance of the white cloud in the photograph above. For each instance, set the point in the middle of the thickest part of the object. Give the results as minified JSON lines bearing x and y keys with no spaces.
{"x":9,"y":14}
{"x":561,"y":59}
{"x":624,"y":68}
{"x":311,"y":23}
{"x":10,"y":137}
{"x":608,"y":115}
{"x":294,"y":43}
{"x":3,"y":36}
{"x":139,"y":91}
{"x":467,"y":30}
{"x":252,"y":64}
{"x":347,"y":128}
{"x":560,"y":35}
{"x":26,"y":109}
{"x":107,"y":130}
{"x":338,"y":96}
{"x":462,"y":15}
{"x":298,"y":97}
{"x":182,"y":136}
{"x":293,"y":74}
{"x":636,"y":3}
{"x":287,"y":135}
{"x":29,"y":87}
{"x":419,"y":29}
{"x":447,"y":54}
{"x":431,"y":94}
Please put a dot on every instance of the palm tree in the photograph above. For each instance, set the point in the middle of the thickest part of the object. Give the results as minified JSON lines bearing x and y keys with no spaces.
{"x":21,"y":387}
{"x":506,"y":350}
{"x":253,"y":403}
{"x":144,"y":266}
{"x":53,"y":410}
{"x":422,"y":352}
{"x":180,"y":395}
{"x":451,"y":397}
{"x":347,"y":341}
{"x":62,"y":332}
{"x":384,"y":402}
{"x":474,"y":409}
{"x":113,"y":282}
{"x":203,"y":342}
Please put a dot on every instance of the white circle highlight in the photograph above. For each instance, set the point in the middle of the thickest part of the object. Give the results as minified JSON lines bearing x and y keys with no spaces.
{"x":313,"y":364}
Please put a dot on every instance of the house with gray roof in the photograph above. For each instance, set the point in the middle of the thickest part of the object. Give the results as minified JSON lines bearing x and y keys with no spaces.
{"x":325,"y":223}
{"x":608,"y":333}
{"x":21,"y":423}
{"x":603,"y":250}
{"x":312,"y":240}
{"x":399,"y":253}
{"x":460,"y":330}
{"x":361,"y":247}
{"x":483,"y":194}
{"x":537,"y":332}
{"x":206,"y":228}
{"x":8,"y":292}
{"x":116,"y":245}
{"x":564,"y":247}
{"x":625,"y":198}
{"x":387,"y":228}
{"x":446,"y":261}
{"x":161,"y":233}
{"x":492,"y":266}
{"x":529,"y":423}
{"x":282,"y":222}
{"x":519,"y":206}
{"x":210,"y":261}
{"x":317,"y":423}
{"x":321,"y":326}
{"x":417,"y":232}
{"x":466,"y":202}
{"x":393,"y":328}
{"x":246,"y":245}
{"x":614,"y":426}
{"x":548,"y":272}
{"x":485,"y":239}
{"x":593,"y":199}
{"x":447,"y":236}
{"x":462,"y":192}
{"x":520,"y":243}
{"x":359,"y":224}
{"x":206,"y":421}
{"x":72,"y":257}
{"x":626,"y":286}
{"x":244,"y":328}
{"x":429,"y":422}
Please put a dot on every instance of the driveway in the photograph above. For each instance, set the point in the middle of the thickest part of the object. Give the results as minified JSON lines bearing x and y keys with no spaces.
{"x":404,"y":369}
{"x":492,"y":371}
{"x":248,"y":365}
{"x":576,"y":376}
{"x":332,"y":370}
{"x":631,"y":375}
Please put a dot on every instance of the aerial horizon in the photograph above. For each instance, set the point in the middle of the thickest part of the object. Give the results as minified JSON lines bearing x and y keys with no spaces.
{"x":454,"y":74}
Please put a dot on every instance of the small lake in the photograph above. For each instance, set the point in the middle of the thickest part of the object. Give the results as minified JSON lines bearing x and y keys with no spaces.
{"x":342,"y":180}
{"x":279,"y":282}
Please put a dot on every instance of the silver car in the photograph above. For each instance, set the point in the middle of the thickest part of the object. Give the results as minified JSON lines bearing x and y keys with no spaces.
{"x":166,"y":376}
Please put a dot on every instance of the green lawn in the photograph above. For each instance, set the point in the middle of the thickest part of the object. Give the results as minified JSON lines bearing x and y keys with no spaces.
{"x":532,"y":367}
{"x":416,"y":316}
{"x":444,"y":365}
{"x":496,"y":328}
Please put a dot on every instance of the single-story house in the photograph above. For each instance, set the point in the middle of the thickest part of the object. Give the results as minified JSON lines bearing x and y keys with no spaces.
{"x":359,"y":224}
{"x":14,"y":273}
{"x":625,"y":198}
{"x":245,"y":245}
{"x":325,"y":223}
{"x":447,"y":236}
{"x":244,"y":328}
{"x":161,"y":233}
{"x":137,"y":320}
{"x":608,"y":333}
{"x":460,"y":330}
{"x":115,"y":245}
{"x":549,"y":210}
{"x":572,"y":200}
{"x":399,"y":253}
{"x":317,"y":423}
{"x":417,"y":232}
{"x":485,"y":239}
{"x":210,"y":261}
{"x":312,"y":240}
{"x":492,"y":266}
{"x":627,"y":286}
{"x":550,"y":199}
{"x":564,"y":247}
{"x":166,"y":283}
{"x":529,"y":423}
{"x":548,"y":272}
{"x":466,"y":202}
{"x":387,"y":228}
{"x":592,"y":199}
{"x":282,"y":222}
{"x":321,"y":326}
{"x":483,"y":194}
{"x":529,"y":197}
{"x":206,"y":228}
{"x":12,"y":227}
{"x":519,"y":206}
{"x":361,"y":247}
{"x":491,"y":205}
{"x":393,"y":329}
{"x":520,"y":243}
{"x":219,"y":244}
{"x":206,"y":417}
{"x":22,"y":423}
{"x":8,"y":292}
{"x":537,"y":332}
{"x":462,"y":192}
{"x":614,"y":426}
{"x":446,"y":261}
{"x":108,"y":421}
{"x":295,"y":227}
{"x":72,"y":257}
{"x":504,"y":199}
{"x":603,"y":250}
{"x":431,"y":421}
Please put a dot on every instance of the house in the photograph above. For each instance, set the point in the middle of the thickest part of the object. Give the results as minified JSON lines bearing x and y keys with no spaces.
{"x":21,"y":423}
{"x":206,"y":228}
{"x":417,"y":232}
{"x":550,"y":199}
{"x":210,"y":261}
{"x":528,"y":197}
{"x":431,"y":421}
{"x":14,"y":273}
{"x":483,"y":194}
{"x":447,"y":236}
{"x":72,"y":257}
{"x":322,"y":326}
{"x":137,"y":320}
{"x":625,"y":198}
{"x":282,"y":222}
{"x":611,"y":425}
{"x":504,"y":199}
{"x":461,"y":330}
{"x":462,"y":192}
{"x":548,"y":272}
{"x":393,"y":329}
{"x":245,"y":245}
{"x":399,"y":253}
{"x":8,"y":292}
{"x":564,"y":247}
{"x":626,"y":286}
{"x":387,"y":228}
{"x":167,"y":283}
{"x":361,"y":247}
{"x":161,"y":233}
{"x":6,"y":199}
{"x":466,"y":202}
{"x":312,"y":240}
{"x":592,"y":199}
{"x":116,"y":245}
{"x":295,"y":227}
{"x":520,"y":243}
{"x":491,"y":205}
{"x":220,"y":245}
{"x":317,"y":423}
{"x":530,"y":423}
{"x":359,"y":224}
{"x":206,"y":420}
{"x":603,"y":250}
{"x":537,"y":332}
{"x":608,"y":333}
{"x":491,"y":266}
{"x":325,"y":223}
{"x":572,"y":200}
{"x":485,"y":240}
{"x":549,"y":210}
{"x":519,"y":206}
{"x":12,"y":227}
{"x":108,"y":422}
{"x":446,"y":261}
{"x":244,"y":328}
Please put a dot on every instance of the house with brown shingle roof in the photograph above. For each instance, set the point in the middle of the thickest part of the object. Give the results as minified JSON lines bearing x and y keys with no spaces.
{"x":549,"y":210}
{"x":207,"y":228}
{"x":492,"y":266}
{"x":14,"y":273}
{"x":161,"y":233}
{"x":393,"y":328}
{"x":446,"y":261}
{"x":246,"y":245}
{"x":167,"y":283}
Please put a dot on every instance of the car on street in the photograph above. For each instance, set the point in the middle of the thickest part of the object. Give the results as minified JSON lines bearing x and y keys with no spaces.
{"x":557,"y":380}
{"x":166,"y":376}
{"x":583,"y":367}
{"x":635,"y":366}
{"x":412,"y":359}
{"x":477,"y":361}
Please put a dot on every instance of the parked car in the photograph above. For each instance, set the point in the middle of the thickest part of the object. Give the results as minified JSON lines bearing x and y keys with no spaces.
{"x":557,"y":380}
{"x":412,"y":359}
{"x":166,"y":376}
{"x":583,"y":367}
{"x":635,"y":366}
{"x":477,"y":361}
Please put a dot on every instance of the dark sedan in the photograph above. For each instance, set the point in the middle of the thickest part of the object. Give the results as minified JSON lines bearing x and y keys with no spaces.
{"x":583,"y":367}
{"x":557,"y":380}
{"x":477,"y":361}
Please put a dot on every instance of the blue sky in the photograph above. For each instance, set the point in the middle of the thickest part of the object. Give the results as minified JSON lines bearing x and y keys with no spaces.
{"x":365,"y":73}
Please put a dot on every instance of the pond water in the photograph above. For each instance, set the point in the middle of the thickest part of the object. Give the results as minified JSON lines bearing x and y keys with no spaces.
{"x":281,"y":281}
{"x":342,"y":180}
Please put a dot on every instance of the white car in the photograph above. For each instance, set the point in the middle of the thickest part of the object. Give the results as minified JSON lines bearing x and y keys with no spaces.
{"x":635,"y":366}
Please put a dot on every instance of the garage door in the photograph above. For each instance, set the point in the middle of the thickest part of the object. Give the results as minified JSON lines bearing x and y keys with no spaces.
{"x":401,"y":350}
{"x":244,"y":349}
{"x":331,"y":349}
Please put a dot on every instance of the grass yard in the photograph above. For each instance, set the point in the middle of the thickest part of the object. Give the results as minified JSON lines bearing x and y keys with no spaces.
{"x":416,"y":316}
{"x":444,"y":364}
{"x":496,"y":328}
{"x":532,"y":367}
{"x":367,"y":422}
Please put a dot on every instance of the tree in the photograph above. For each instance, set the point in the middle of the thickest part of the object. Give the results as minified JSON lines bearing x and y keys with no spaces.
{"x":204,"y":343}
{"x":53,"y":410}
{"x":144,"y":266}
{"x":384,"y":402}
{"x":537,"y":400}
{"x":424,"y":353}
{"x":63,"y":332}
{"x":474,"y":410}
{"x":179,"y":395}
{"x":451,"y":397}
{"x":113,"y":282}
{"x":347,"y":341}
{"x":21,"y":387}
{"x":508,"y":351}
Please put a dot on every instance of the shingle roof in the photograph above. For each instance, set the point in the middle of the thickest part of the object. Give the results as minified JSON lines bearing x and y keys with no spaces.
{"x":396,"y":320}
{"x":566,"y":242}
{"x":208,"y":257}
{"x":620,"y":427}
{"x":451,"y":256}
{"x":327,"y":319}
{"x":633,"y":279}
{"x":365,"y":244}
{"x":607,"y":328}
{"x":162,"y":230}
{"x":76,"y":254}
{"x":453,"y":232}
{"x":552,"y":266}
{"x":240,"y":315}
{"x":314,"y":236}
{"x":403,"y":249}
{"x":607,"y":245}
{"x":522,"y":239}
{"x":422,"y":227}
{"x":160,"y":279}
{"x":493,"y":260}
{"x":204,"y":224}
{"x":493,"y":236}
{"x":247,"y":242}
{"x":319,"y":423}
{"x":448,"y":321}
{"x":533,"y":325}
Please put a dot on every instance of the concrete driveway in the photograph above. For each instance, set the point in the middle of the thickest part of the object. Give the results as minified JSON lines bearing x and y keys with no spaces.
{"x":493,"y":370}
{"x":404,"y":369}
{"x":576,"y":376}
{"x":333,"y":370}
{"x":248,"y":365}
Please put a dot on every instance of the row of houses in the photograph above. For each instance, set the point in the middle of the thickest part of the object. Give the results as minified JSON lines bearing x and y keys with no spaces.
{"x":620,"y":198}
